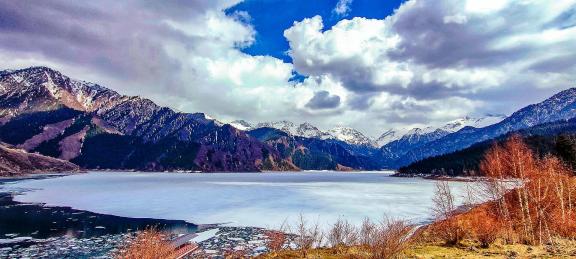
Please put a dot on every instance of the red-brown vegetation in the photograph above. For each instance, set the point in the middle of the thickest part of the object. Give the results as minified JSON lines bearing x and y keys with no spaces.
{"x":148,"y":244}
{"x":532,"y":200}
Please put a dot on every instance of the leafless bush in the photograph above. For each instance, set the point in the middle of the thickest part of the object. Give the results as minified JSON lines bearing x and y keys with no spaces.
{"x":447,"y":229}
{"x":542,"y":205}
{"x":391,"y":238}
{"x":276,"y":240}
{"x":443,"y":200}
{"x":342,"y":233}
{"x":307,"y":237}
{"x":386,"y":239}
{"x":367,"y":232}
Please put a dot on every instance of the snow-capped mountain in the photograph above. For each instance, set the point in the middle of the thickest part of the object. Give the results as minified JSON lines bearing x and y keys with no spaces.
{"x":561,"y":106}
{"x":389,"y":136}
{"x":417,"y":137}
{"x":241,"y":125}
{"x":44,"y":111}
{"x":307,"y":130}
{"x":467,"y":121}
{"x":351,"y":136}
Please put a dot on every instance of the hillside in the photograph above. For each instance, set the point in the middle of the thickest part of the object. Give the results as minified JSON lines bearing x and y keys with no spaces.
{"x":15,"y":161}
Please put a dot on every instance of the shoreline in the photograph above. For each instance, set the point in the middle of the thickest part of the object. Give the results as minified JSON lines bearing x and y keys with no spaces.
{"x":440,"y":177}
{"x":61,"y":240}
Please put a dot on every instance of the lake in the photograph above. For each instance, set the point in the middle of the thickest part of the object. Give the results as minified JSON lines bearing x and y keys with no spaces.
{"x":238,"y":199}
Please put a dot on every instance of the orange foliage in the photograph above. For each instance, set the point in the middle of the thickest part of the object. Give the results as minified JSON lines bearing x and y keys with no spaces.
{"x":532,"y":200}
{"x":542,"y":205}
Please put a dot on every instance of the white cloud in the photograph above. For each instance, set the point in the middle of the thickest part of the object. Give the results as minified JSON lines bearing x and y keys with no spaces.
{"x":428,"y":63}
{"x":435,"y":60}
{"x":342,"y":8}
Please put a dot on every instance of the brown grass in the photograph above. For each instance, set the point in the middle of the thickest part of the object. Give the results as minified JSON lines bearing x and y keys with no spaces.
{"x":148,"y":244}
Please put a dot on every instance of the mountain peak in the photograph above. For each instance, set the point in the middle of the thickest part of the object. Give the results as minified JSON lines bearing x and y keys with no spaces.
{"x":350,"y":135}
{"x":241,"y":124}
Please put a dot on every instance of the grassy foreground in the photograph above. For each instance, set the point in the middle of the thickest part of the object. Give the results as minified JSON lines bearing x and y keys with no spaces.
{"x":567,"y":249}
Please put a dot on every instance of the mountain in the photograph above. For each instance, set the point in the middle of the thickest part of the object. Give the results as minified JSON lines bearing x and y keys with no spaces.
{"x":559,"y":107}
{"x":558,"y":138}
{"x":351,"y":136}
{"x":387,"y":137}
{"x":14,"y":161}
{"x":317,"y":153}
{"x":303,"y":130}
{"x":307,"y":130}
{"x":479,"y":122}
{"x":241,"y":124}
{"x":418,"y":137}
{"x":44,"y":111}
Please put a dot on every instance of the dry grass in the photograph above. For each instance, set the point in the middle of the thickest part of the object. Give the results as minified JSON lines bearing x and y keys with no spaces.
{"x":385,"y":239}
{"x":148,"y":244}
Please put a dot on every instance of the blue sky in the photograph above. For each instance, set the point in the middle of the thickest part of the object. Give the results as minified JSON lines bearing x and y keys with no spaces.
{"x":271,"y":17}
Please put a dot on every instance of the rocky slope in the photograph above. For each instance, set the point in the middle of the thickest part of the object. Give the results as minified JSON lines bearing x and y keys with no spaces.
{"x":109,"y":130}
{"x":14,"y":161}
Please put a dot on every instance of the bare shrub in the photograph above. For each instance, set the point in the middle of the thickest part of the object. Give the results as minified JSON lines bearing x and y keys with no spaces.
{"x":367,"y":233}
{"x":342,"y":233}
{"x":443,"y":200}
{"x":391,"y":238}
{"x":446,"y":228}
{"x":235,"y":254}
{"x":148,"y":244}
{"x":307,"y":237}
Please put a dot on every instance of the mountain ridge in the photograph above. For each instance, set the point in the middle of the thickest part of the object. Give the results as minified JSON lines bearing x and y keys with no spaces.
{"x":39,"y":96}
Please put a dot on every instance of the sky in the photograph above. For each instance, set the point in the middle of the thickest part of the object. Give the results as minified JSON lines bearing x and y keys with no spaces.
{"x":371,"y":65}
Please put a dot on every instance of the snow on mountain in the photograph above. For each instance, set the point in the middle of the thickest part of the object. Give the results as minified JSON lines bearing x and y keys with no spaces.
{"x":480,"y":122}
{"x":561,"y":106}
{"x":351,"y":136}
{"x":416,"y":134}
{"x":355,"y":137}
{"x":284,"y":125}
{"x":310,"y":131}
{"x":389,"y":136}
{"x":307,"y":130}
{"x":241,"y":125}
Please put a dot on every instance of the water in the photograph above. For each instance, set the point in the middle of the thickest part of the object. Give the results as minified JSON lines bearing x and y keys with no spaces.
{"x":239,"y":199}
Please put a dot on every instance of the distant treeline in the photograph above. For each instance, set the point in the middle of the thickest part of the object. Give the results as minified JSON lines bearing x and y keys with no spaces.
{"x":558,"y":138}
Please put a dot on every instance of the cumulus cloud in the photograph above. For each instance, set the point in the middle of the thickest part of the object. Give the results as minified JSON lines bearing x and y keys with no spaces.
{"x":449,"y":57}
{"x":427,"y":63}
{"x":342,"y":8}
{"x":183,"y":54}
{"x":323,"y":100}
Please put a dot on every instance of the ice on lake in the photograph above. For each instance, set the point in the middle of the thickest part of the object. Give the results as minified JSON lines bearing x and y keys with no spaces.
{"x":240,"y":199}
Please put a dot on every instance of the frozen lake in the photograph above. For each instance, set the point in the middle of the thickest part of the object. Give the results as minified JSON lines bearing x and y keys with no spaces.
{"x":240,"y":199}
